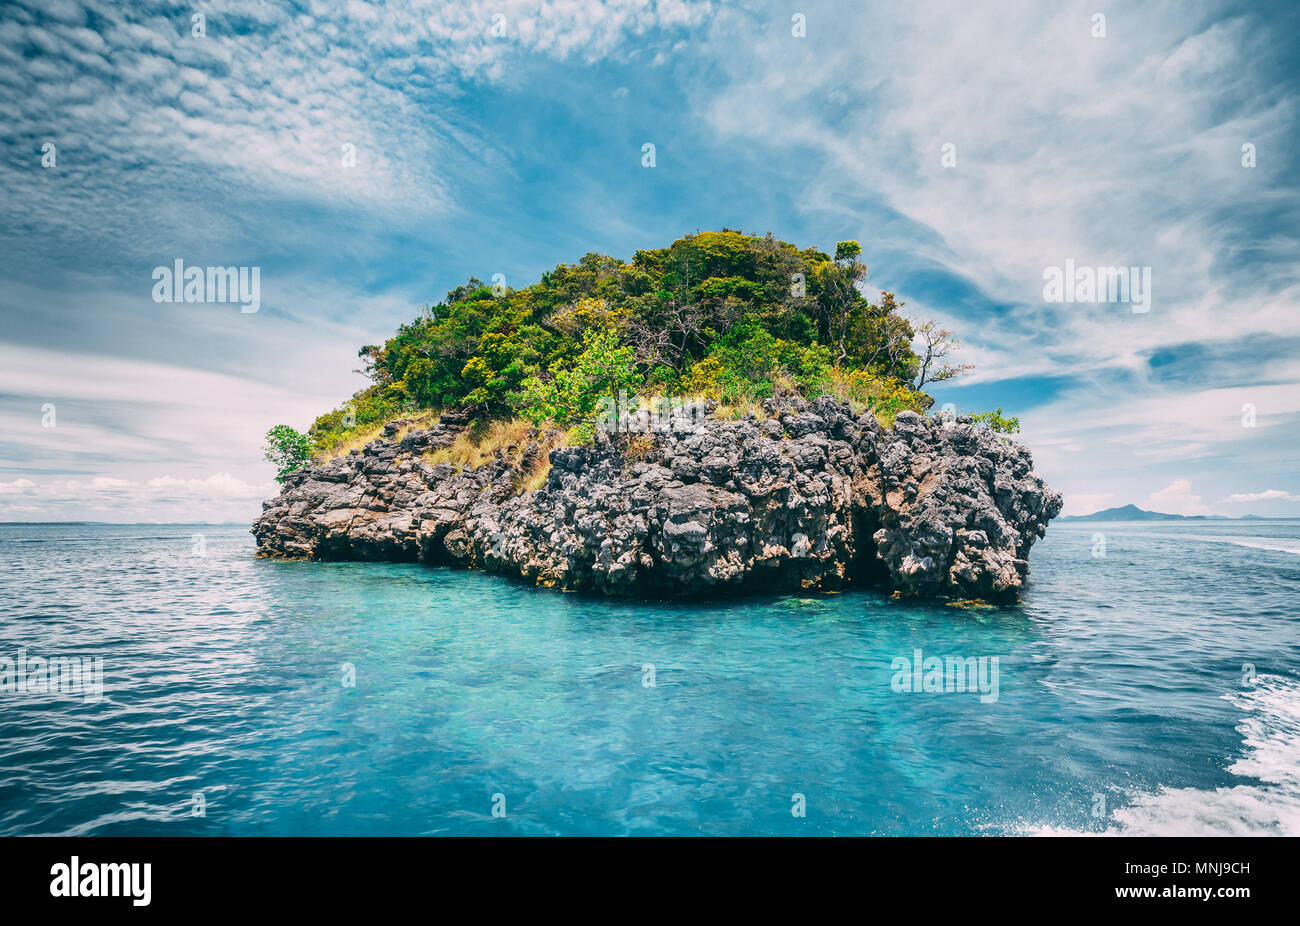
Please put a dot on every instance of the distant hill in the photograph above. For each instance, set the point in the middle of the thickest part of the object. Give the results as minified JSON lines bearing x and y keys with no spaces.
{"x":1134,"y":513}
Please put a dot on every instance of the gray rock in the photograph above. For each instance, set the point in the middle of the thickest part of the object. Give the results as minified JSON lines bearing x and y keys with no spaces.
{"x":813,"y":497}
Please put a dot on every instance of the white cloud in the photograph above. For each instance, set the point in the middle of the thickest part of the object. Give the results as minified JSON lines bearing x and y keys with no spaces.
{"x":1265,"y":496}
{"x":1162,"y":423}
{"x":1116,"y":151}
{"x":1084,"y":503}
{"x":1176,"y":498}
{"x":217,"y":497}
{"x":271,"y":96}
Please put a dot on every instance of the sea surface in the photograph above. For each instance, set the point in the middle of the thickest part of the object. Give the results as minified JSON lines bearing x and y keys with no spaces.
{"x":1154,"y":689}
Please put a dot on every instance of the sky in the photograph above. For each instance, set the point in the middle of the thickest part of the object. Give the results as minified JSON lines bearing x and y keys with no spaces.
{"x":369,"y":157}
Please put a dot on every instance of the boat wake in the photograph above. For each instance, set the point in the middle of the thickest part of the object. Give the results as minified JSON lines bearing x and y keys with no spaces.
{"x":1275,"y":544}
{"x":1271,"y":736}
{"x":1279,"y":544}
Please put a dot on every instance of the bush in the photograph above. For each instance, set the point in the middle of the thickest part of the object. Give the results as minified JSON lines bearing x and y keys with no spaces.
{"x":749,"y":363}
{"x":997,"y":422}
{"x":571,"y":393}
{"x":363,"y":415}
{"x":882,"y":396}
{"x":287,"y":449}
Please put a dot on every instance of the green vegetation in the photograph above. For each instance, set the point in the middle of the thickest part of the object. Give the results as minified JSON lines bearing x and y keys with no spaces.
{"x":568,"y":394}
{"x":287,"y":449}
{"x":723,"y":315}
{"x":997,"y":422}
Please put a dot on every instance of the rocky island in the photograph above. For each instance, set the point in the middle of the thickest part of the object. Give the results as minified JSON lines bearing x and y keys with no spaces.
{"x":848,"y":483}
{"x":813,"y":497}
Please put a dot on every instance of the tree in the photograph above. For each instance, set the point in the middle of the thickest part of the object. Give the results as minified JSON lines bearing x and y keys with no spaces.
{"x":939,"y":343}
{"x":372,"y":358}
{"x":882,"y":340}
{"x":572,"y":393}
{"x":679,"y":330}
{"x":841,"y":287}
{"x":287,"y":449}
{"x":847,"y":250}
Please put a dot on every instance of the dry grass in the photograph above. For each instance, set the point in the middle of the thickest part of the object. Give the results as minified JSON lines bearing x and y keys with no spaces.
{"x":740,"y":409}
{"x":365,"y":435}
{"x":344,"y":447}
{"x":501,"y":440}
{"x":483,"y":444}
{"x":537,"y":479}
{"x":419,"y":422}
{"x":638,"y":448}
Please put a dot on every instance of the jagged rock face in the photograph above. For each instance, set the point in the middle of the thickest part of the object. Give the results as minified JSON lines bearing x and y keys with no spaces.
{"x":812,"y":497}
{"x":960,"y":508}
{"x":713,"y":505}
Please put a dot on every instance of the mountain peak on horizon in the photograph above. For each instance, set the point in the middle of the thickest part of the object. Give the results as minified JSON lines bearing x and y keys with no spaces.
{"x":1132,"y":512}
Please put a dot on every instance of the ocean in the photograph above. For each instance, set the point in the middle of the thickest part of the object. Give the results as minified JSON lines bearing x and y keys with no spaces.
{"x":1149,"y":683}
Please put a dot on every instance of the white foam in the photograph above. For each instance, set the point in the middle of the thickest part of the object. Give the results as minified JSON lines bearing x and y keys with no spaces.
{"x":1276,"y":544}
{"x":1279,"y":544}
{"x":1271,"y":734}
{"x":1271,"y":731}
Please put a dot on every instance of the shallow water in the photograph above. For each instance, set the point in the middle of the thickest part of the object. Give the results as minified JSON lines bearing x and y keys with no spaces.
{"x":1150,"y":690}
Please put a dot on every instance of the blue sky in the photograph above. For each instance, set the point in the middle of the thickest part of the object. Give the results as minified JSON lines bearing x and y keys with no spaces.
{"x":481,"y":153}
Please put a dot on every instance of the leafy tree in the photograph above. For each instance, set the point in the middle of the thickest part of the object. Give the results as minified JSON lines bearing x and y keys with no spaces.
{"x":844,"y":293}
{"x":287,"y":449}
{"x":571,"y":393}
{"x":880,"y":340}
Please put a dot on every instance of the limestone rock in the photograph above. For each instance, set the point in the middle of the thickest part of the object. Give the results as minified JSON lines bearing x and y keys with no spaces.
{"x":813,"y":497}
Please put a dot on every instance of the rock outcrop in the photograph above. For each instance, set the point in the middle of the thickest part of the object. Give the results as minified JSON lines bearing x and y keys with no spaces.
{"x":809,"y":497}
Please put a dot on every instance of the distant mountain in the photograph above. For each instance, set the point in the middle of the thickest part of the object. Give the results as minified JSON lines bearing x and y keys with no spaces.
{"x":1134,"y":513}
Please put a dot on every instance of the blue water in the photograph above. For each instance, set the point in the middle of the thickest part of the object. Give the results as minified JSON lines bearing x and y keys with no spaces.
{"x":1122,"y":703}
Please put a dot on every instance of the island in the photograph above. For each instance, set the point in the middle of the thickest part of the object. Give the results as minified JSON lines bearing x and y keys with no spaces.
{"x":725,"y":415}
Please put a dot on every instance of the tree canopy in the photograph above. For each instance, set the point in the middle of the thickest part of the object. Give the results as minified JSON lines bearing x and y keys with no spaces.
{"x":724,"y":315}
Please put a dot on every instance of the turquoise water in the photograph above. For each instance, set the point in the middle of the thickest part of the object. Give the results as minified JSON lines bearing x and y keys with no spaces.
{"x":1122,"y":704}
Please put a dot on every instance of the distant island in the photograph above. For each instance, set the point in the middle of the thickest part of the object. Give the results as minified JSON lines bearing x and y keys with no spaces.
{"x":1134,"y":513}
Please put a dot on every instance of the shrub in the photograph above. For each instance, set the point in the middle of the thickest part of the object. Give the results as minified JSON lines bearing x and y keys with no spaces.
{"x":287,"y":449}
{"x":996,"y":421}
{"x":570,"y":395}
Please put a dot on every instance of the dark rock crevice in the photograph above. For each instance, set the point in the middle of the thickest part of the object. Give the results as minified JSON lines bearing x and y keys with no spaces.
{"x":866,"y":568}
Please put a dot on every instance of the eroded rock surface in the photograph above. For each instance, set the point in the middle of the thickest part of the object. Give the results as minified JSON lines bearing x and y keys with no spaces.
{"x":812,"y":497}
